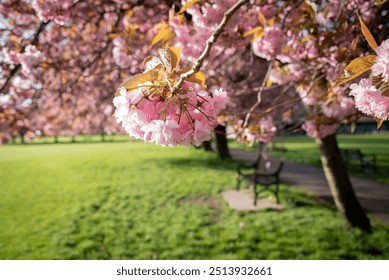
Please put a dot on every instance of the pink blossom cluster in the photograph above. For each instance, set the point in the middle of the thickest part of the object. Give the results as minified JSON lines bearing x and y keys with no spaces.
{"x":267,"y":128}
{"x":209,"y":14}
{"x":288,"y":73}
{"x":29,"y":59}
{"x":119,"y":53}
{"x":310,"y":96}
{"x":270,"y":44}
{"x":10,"y":56}
{"x":129,"y":47}
{"x":320,"y":131}
{"x":381,"y":65}
{"x":191,"y":39}
{"x":264,"y":131}
{"x":192,"y":36}
{"x":369,"y":100}
{"x":329,"y":12}
{"x":53,"y":10}
{"x":183,"y":119}
{"x":339,"y":107}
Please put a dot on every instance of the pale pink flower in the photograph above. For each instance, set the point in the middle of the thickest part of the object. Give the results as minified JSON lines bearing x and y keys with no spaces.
{"x":308,"y":95}
{"x":119,"y":53}
{"x":10,"y":57}
{"x":340,"y":108}
{"x":250,"y":137}
{"x":264,"y":131}
{"x":121,"y":104}
{"x":267,"y":129}
{"x":29,"y":59}
{"x":166,"y":123}
{"x":381,"y":65}
{"x":202,"y":132}
{"x":49,"y":10}
{"x":160,"y":132}
{"x":321,"y":131}
{"x":271,"y":44}
{"x":286,"y":74}
{"x":369,"y":99}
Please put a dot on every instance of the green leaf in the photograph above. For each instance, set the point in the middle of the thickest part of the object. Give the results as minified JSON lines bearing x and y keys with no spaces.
{"x":354,"y":69}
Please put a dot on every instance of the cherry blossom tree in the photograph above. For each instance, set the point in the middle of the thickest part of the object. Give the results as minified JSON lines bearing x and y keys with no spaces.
{"x":59,"y":60}
{"x":295,"y":40}
{"x":182,"y":68}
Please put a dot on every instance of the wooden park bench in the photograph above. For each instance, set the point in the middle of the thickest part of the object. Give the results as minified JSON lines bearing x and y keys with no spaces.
{"x":366,"y":161}
{"x":263,"y":174}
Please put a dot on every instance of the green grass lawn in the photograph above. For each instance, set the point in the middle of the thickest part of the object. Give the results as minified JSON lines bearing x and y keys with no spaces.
{"x":130,"y":200}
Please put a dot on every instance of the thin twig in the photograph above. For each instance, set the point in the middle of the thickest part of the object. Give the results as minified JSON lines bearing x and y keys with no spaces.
{"x":263,"y":85}
{"x":310,"y":87}
{"x":211,"y":40}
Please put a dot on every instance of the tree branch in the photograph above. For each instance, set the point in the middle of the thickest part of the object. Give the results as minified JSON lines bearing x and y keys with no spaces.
{"x":248,"y":116}
{"x":211,"y":40}
{"x":34,"y":41}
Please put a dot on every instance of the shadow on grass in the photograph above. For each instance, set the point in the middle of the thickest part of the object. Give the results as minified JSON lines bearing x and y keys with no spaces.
{"x":214,"y":163}
{"x":67,"y":142}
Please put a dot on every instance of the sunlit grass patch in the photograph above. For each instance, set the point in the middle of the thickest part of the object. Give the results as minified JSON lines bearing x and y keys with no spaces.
{"x":139,"y":201}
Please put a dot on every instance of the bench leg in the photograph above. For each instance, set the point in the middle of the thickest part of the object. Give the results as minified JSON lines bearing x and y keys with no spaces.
{"x":255,"y":195}
{"x":276,"y":193}
{"x":238,"y":180}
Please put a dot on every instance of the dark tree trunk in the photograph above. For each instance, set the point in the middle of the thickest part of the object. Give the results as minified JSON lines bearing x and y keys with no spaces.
{"x":221,"y":142}
{"x":55,"y":139}
{"x":102,"y":137}
{"x":340,"y":185}
{"x":207,"y":146}
{"x":13,"y":139}
{"x":22,"y":138}
{"x":73,"y":139}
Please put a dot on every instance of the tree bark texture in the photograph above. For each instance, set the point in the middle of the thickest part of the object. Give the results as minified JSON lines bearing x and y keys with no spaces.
{"x":207,"y":146}
{"x":221,"y":142}
{"x":340,"y":185}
